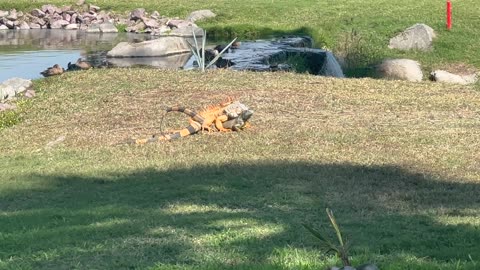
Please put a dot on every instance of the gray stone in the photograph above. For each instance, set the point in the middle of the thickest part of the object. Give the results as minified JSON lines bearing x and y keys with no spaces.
{"x":187,"y":31}
{"x":155,"y":15}
{"x":38,"y":13}
{"x":347,"y":268}
{"x":400,"y":69}
{"x":73,"y":18}
{"x":158,"y":47}
{"x":137,"y":28}
{"x":39,"y":21}
{"x":80,"y":2}
{"x":24,"y":26}
{"x":11,"y":87}
{"x":201,"y":15}
{"x":50,"y":9}
{"x":179,"y":23}
{"x":418,"y":37}
{"x":72,"y":26}
{"x":150,"y":23}
{"x":137,"y":14}
{"x":9,"y":24}
{"x":34,"y":26}
{"x":12,"y":16}
{"x":30,"y":93}
{"x":67,"y":17}
{"x":3,"y":27}
{"x":6,"y":106}
{"x":59,"y":24}
{"x":3,"y":13}
{"x":447,"y":77}
{"x":367,"y":267}
{"x":94,"y":8}
{"x":93,"y":28}
{"x":108,"y":27}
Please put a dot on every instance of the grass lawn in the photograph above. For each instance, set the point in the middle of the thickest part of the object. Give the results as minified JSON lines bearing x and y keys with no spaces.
{"x":396,"y":162}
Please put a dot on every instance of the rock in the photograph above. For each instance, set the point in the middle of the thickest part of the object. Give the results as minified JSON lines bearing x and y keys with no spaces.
{"x":139,"y":27}
{"x":367,"y":267}
{"x":137,"y":14}
{"x":73,"y":18}
{"x":30,"y":93}
{"x":108,"y":27}
{"x":201,"y":15}
{"x":3,"y":27}
{"x":11,"y":87}
{"x":6,"y":106}
{"x":12,"y":16}
{"x":150,"y":23}
{"x":67,"y":17}
{"x":400,"y":69}
{"x":162,"y":30}
{"x":34,"y":26}
{"x":93,"y":28}
{"x":72,"y":26}
{"x":447,"y":77}
{"x":347,"y":268}
{"x":59,"y":24}
{"x":38,"y":13}
{"x":155,"y":15}
{"x":3,"y":13}
{"x":39,"y":21}
{"x":50,"y":9}
{"x":80,"y":2}
{"x":9,"y":24}
{"x":418,"y":36}
{"x":158,"y":47}
{"x":179,"y":23}
{"x":94,"y":8}
{"x":187,"y":31}
{"x":24,"y":26}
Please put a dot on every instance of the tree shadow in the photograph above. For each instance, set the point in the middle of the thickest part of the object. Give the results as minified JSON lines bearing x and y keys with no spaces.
{"x":234,"y":216}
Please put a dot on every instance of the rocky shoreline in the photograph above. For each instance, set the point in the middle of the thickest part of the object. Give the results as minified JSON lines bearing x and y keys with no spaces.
{"x":91,"y":18}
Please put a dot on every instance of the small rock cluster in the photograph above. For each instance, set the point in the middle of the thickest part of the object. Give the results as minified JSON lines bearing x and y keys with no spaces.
{"x":10,"y":89}
{"x":417,"y":37}
{"x":53,"y":17}
{"x":91,"y":18}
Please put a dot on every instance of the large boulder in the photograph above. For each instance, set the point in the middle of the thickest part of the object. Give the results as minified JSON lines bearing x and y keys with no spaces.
{"x":400,"y":69}
{"x":158,"y":47}
{"x":447,"y":77}
{"x":201,"y":15}
{"x":13,"y":86}
{"x":416,"y":37}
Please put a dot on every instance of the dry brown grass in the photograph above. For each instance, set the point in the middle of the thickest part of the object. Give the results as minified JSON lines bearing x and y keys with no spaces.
{"x":435,"y":127}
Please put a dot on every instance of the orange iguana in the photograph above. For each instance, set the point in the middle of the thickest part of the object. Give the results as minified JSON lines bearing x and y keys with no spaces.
{"x":224,"y":117}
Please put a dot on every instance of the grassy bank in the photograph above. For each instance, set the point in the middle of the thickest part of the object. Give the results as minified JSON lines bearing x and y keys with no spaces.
{"x":329,"y":22}
{"x":397,"y":162}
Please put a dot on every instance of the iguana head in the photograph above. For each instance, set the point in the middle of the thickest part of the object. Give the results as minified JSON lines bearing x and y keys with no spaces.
{"x":238,"y":114}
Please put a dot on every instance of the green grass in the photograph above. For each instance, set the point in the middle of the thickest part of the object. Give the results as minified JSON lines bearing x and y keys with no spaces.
{"x":329,"y":22}
{"x":396,"y":162}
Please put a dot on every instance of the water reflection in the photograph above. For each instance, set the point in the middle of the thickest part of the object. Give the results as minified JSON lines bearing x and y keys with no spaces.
{"x":25,"y":53}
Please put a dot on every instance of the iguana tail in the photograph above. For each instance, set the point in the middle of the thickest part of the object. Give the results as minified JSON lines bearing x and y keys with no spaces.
{"x":195,"y":116}
{"x":194,"y":127}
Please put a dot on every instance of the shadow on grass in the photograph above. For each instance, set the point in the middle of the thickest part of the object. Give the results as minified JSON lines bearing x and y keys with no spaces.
{"x":236,"y":216}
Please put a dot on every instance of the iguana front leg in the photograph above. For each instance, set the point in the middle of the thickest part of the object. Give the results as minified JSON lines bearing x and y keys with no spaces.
{"x":219,"y":123}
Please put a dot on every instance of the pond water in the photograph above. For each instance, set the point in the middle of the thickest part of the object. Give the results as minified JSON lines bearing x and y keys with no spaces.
{"x":25,"y":53}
